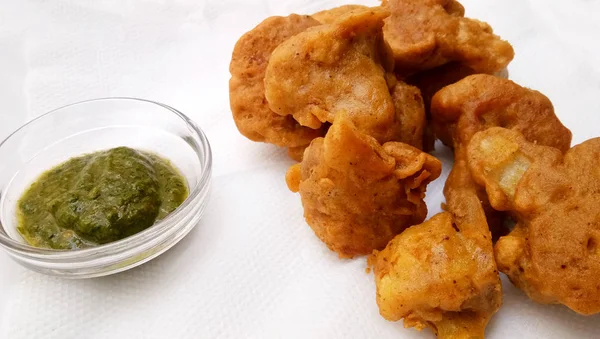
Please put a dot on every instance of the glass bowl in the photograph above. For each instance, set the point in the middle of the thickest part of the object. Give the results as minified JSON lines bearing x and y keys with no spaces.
{"x":90,"y":126}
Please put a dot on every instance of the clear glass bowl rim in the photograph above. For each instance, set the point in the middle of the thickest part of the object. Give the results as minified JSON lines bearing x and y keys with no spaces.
{"x":137,"y":239}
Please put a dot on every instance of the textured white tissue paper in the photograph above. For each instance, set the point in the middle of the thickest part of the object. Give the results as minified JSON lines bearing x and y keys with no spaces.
{"x":252,"y":268}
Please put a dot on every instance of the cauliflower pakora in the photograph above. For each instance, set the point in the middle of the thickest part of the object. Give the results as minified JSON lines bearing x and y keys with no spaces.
{"x":481,"y":101}
{"x":358,"y":194}
{"x":440,"y":276}
{"x":424,"y":34}
{"x":345,"y":66}
{"x":553,"y":253}
{"x":253,"y":117}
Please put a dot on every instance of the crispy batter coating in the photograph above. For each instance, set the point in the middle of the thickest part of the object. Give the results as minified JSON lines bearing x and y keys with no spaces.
{"x":481,"y":101}
{"x":252,"y":115}
{"x":357,"y":194}
{"x":425,"y":34}
{"x":333,"y":68}
{"x":329,"y":16}
{"x":437,"y":275}
{"x":553,"y":253}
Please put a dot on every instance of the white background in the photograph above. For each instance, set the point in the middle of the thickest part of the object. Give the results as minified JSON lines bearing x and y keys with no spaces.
{"x":252,"y":268}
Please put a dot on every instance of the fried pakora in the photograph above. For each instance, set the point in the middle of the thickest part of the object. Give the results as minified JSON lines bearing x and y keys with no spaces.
{"x":434,"y":275}
{"x":253,"y":117}
{"x":424,"y":34}
{"x":481,"y":101}
{"x":358,"y":194}
{"x":344,"y":66}
{"x":552,"y":253}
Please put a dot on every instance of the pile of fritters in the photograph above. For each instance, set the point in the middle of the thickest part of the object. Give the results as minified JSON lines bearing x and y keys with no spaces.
{"x":359,"y":94}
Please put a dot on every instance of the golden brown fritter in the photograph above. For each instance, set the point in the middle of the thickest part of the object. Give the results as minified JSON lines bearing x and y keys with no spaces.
{"x":441,"y":274}
{"x":481,"y":101}
{"x":553,"y":253}
{"x":329,"y":16}
{"x":252,"y":115}
{"x":333,"y":68}
{"x":424,"y":34}
{"x":431,"y":276}
{"x":357,"y":194}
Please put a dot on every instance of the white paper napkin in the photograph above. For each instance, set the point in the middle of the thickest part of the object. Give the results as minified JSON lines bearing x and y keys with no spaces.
{"x":252,"y":268}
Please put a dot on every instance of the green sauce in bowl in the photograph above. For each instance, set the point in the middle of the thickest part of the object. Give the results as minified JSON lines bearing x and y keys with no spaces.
{"x":99,"y":198}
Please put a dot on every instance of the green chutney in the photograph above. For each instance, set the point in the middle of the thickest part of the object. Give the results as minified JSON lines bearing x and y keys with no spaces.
{"x":99,"y":198}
